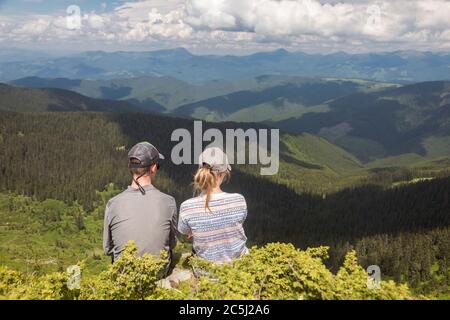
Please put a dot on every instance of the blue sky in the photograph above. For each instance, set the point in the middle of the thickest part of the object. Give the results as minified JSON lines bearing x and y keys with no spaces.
{"x":12,"y":7}
{"x":228,"y":26}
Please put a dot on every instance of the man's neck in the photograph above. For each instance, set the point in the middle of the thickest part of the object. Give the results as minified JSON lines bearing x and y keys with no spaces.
{"x":143,"y":181}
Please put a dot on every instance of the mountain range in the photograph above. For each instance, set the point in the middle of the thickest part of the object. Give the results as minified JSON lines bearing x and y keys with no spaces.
{"x":370,"y":120}
{"x":213,"y":99}
{"x":401,"y":66}
{"x":374,"y":122}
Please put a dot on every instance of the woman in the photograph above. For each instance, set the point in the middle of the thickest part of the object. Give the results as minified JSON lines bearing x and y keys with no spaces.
{"x":214,"y":218}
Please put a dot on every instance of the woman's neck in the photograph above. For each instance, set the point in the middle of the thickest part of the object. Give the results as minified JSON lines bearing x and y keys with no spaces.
{"x":216,"y":190}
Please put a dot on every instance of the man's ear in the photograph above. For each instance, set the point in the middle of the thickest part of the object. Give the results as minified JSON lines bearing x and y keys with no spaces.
{"x":153,"y":168}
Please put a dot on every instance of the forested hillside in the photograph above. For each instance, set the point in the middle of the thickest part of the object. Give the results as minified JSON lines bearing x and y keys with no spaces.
{"x":76,"y":154}
{"x":308,"y":163}
{"x":370,"y":120}
{"x":410,"y":119}
{"x":29,"y":99}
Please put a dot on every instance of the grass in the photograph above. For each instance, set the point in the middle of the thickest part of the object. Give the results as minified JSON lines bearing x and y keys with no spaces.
{"x":415,"y":180}
{"x":281,"y":110}
{"x":437,"y":146}
{"x":43,"y":236}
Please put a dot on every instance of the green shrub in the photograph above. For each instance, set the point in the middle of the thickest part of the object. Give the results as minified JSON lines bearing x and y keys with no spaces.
{"x":15,"y":285}
{"x":280,"y":271}
{"x":275,"y":271}
{"x":130,"y":278}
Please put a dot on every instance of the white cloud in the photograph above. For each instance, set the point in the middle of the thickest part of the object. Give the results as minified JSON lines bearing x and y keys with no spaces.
{"x":95,"y":21}
{"x":247,"y":25}
{"x":298,"y":17}
{"x":35,"y":27}
{"x":362,"y":23}
{"x":434,"y":15}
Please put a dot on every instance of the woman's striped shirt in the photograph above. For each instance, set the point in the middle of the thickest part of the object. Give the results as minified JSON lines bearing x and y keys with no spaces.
{"x":218,"y":236}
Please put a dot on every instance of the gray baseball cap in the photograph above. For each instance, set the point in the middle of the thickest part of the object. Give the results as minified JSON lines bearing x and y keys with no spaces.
{"x":146,"y":155}
{"x":214,"y":158}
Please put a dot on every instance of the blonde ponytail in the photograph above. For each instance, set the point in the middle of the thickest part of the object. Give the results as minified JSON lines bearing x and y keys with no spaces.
{"x":204,"y":181}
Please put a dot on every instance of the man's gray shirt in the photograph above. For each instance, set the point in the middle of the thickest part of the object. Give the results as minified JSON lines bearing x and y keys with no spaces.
{"x":149,"y":220}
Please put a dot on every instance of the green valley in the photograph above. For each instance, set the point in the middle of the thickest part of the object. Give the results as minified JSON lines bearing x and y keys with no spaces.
{"x":322,"y":195}
{"x":344,"y":181}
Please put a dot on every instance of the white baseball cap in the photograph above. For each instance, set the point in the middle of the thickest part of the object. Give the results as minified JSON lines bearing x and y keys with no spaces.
{"x":214,"y":158}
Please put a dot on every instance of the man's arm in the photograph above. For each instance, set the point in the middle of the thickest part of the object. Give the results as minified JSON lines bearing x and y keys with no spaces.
{"x":108,"y":245}
{"x":173,"y":225}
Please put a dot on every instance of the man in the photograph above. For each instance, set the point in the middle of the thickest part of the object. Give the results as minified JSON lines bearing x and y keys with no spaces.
{"x":141,"y":213}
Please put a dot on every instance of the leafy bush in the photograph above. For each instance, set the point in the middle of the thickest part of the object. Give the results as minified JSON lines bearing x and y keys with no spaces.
{"x":15,"y":285}
{"x":131,"y":277}
{"x":280,"y":271}
{"x":275,"y":271}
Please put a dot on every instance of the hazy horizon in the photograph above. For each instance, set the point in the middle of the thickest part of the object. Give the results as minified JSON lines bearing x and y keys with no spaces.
{"x":61,"y":52}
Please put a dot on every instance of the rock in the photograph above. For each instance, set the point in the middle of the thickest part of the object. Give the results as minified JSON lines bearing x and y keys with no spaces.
{"x":174,"y":279}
